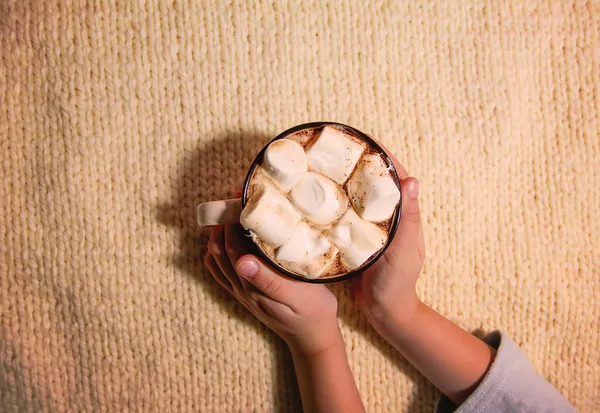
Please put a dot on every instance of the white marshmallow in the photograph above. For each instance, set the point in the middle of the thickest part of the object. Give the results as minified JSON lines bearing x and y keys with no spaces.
{"x":372,"y":190}
{"x":357,"y":239}
{"x":306,"y":252}
{"x":284,"y":162}
{"x":334,"y":154}
{"x":320,"y":199}
{"x":272,"y":217}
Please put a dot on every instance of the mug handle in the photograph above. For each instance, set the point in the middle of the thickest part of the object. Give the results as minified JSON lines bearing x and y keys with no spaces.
{"x":226,"y":211}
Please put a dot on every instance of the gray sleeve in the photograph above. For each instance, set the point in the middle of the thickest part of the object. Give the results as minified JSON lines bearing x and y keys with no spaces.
{"x":510,"y":386}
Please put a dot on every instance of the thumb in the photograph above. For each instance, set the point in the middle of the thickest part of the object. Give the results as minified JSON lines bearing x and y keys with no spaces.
{"x":411,"y":212}
{"x":264,"y":278}
{"x":410,"y":231}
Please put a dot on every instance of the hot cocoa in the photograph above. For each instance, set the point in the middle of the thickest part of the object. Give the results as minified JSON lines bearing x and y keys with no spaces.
{"x":321,"y":202}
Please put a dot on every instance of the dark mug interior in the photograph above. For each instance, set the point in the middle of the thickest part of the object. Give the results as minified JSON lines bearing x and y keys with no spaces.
{"x":395,"y":221}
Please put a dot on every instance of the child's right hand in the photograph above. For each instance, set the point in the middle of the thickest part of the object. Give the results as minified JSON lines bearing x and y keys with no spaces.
{"x":389,"y":286}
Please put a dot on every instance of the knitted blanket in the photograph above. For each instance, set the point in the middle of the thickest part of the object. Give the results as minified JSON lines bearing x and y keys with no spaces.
{"x":118,"y":118}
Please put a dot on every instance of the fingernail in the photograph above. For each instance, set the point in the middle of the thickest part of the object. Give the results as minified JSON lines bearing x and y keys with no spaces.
{"x":214,"y":248}
{"x":412,"y":189}
{"x":247,"y":269}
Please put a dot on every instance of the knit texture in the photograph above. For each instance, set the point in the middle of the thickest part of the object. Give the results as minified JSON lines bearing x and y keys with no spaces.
{"x":116,"y":120}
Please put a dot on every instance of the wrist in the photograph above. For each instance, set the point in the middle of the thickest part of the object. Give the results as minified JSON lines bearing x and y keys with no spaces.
{"x":399,"y":316}
{"x":317,"y":345}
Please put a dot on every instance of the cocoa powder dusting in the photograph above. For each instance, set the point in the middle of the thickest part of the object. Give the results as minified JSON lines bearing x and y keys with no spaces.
{"x":306,"y":138}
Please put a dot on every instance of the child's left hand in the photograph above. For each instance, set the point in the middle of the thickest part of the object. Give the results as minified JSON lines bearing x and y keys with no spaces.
{"x":302,"y":314}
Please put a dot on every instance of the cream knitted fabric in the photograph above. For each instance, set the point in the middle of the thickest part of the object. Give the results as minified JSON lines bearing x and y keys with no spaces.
{"x":116,"y":120}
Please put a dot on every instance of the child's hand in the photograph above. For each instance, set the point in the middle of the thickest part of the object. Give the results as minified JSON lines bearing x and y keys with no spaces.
{"x":388,"y":287}
{"x":303,"y":314}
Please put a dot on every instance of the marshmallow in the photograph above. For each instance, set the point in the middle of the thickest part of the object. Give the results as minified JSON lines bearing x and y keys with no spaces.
{"x":284,"y":162}
{"x":334,"y":154}
{"x":271,"y":216}
{"x":320,"y":199}
{"x":306,"y":252}
{"x":373,"y":192}
{"x":357,"y":239}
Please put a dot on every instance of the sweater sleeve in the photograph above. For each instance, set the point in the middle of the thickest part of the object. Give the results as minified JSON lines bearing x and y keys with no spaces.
{"x":511,"y":385}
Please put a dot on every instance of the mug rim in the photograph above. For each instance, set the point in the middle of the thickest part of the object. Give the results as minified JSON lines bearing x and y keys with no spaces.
{"x":395,"y":222}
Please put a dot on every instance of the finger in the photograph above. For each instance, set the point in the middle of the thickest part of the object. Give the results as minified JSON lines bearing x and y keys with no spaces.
{"x":215,"y":271}
{"x":236,"y":245}
{"x":271,"y":283}
{"x":400,"y":170}
{"x":410,"y":230}
{"x":411,"y":212}
{"x":216,"y":245}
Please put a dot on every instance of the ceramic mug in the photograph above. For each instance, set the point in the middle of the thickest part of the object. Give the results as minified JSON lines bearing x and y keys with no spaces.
{"x":227,"y":211}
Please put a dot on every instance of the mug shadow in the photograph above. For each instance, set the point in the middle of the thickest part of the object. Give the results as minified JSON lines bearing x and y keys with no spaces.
{"x":211,"y":172}
{"x":212,"y":163}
